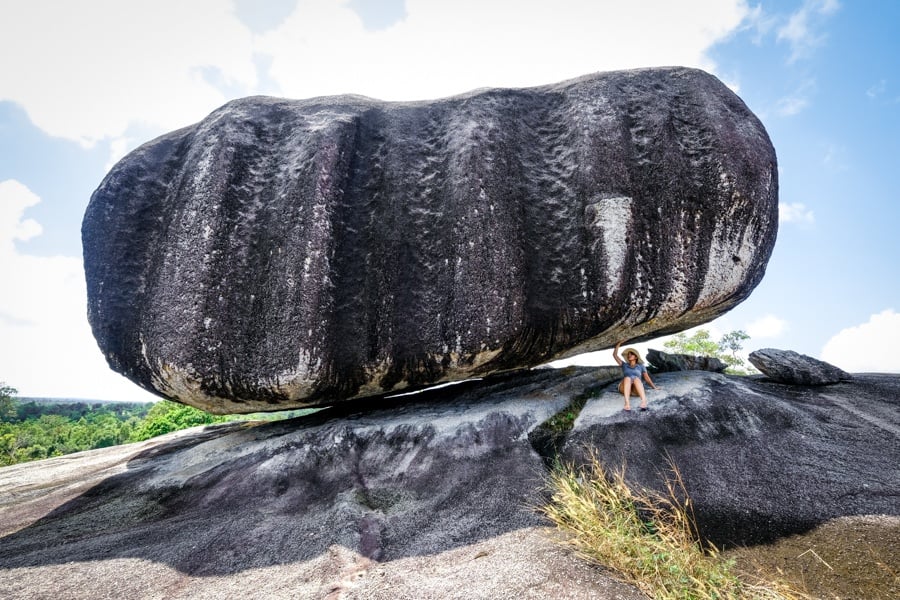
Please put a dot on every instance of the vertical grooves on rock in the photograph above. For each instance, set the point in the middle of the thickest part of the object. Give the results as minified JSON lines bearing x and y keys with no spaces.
{"x":312,"y":251}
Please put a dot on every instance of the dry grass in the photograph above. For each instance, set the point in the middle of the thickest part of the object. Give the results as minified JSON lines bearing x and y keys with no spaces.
{"x":648,"y":538}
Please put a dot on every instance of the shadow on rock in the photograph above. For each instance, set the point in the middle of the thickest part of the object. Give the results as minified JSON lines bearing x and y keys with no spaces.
{"x":402,"y":480}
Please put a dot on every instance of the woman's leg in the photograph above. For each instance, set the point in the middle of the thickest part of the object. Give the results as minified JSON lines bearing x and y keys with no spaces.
{"x":639,"y":386}
{"x":626,"y":390}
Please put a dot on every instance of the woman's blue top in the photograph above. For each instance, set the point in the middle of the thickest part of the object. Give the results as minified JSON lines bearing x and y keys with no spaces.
{"x":636,"y":371}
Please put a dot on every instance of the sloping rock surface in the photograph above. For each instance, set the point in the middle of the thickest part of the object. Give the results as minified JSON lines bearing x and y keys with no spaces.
{"x":284,"y":253}
{"x":787,"y":366}
{"x":434,"y":498}
{"x":760,"y":460}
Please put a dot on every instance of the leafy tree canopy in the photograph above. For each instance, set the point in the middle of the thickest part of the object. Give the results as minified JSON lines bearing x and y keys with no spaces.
{"x":7,"y":405}
{"x":34,"y":430}
{"x":726,"y":349}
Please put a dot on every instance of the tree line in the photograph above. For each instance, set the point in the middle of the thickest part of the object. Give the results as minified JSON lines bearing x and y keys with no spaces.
{"x":34,"y":430}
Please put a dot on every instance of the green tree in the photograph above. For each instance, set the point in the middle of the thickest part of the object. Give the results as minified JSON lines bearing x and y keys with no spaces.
{"x":36,"y":430}
{"x":166,"y":416}
{"x":7,"y":402}
{"x":702,"y":344}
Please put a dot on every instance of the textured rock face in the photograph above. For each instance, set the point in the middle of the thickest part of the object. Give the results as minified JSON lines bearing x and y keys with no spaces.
{"x":431,"y":499}
{"x":289,"y":253}
{"x":435,"y":498}
{"x":760,"y":460}
{"x":787,"y":366}
{"x":663,"y":362}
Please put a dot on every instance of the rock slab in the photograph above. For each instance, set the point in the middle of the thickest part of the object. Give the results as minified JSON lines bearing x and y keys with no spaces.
{"x":428,"y":499}
{"x":787,"y":366}
{"x":760,"y":460}
{"x":664,"y":362}
{"x":288,"y":253}
{"x":436,"y":497}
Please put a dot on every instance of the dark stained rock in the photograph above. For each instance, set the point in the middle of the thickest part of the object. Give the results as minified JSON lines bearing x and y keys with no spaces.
{"x":663,"y":362}
{"x":787,"y":366}
{"x":760,"y":460}
{"x":284,"y":253}
{"x":435,"y":497}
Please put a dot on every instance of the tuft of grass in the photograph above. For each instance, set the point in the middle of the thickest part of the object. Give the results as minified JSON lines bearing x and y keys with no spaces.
{"x":649,"y":539}
{"x":562,"y":422}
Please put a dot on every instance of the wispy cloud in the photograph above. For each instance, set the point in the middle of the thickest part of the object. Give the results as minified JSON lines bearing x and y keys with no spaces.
{"x":877,"y":89}
{"x":835,"y":157}
{"x":883,"y":93}
{"x":761,"y":23}
{"x":792,"y":105}
{"x":797,"y":101}
{"x":803,"y":29}
{"x":795,"y":213}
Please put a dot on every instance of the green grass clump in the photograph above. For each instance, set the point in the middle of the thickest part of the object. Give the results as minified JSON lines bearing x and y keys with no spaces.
{"x":650,"y":539}
{"x":563,"y":421}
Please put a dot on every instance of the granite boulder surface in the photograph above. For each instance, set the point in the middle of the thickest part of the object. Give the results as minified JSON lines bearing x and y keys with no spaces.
{"x":288,"y":253}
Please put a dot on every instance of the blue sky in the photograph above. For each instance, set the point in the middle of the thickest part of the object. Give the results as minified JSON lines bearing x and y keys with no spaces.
{"x":82,"y":83}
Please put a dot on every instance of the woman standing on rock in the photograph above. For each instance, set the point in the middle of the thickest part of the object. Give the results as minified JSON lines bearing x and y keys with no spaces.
{"x":633,"y":369}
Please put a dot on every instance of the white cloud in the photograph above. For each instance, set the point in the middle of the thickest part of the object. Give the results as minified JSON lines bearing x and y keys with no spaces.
{"x":797,"y":101}
{"x":802,"y":29}
{"x":767,"y":326}
{"x":86,"y":70}
{"x":445,"y":48}
{"x":47,"y":347}
{"x":795,"y":213}
{"x":869,"y":347}
{"x":89,"y":70}
{"x":792,"y":105}
{"x":14,"y":199}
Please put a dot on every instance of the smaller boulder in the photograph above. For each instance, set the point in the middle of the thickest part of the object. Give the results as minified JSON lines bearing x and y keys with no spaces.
{"x":667,"y":363}
{"x":787,"y":366}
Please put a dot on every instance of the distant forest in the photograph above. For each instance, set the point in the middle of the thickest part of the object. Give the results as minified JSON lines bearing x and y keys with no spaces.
{"x":32,"y":430}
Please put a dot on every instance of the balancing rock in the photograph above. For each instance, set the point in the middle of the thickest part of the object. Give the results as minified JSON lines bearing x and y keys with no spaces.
{"x":288,"y":253}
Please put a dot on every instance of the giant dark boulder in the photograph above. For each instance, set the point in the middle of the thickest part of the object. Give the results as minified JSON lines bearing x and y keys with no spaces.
{"x":283,"y":253}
